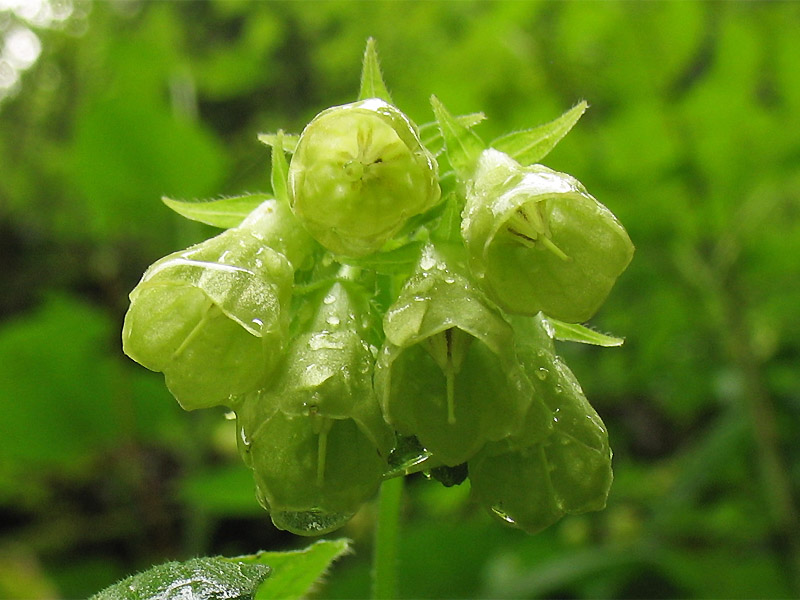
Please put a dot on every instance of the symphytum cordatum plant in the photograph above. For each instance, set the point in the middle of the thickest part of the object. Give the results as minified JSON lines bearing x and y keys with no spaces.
{"x":392,"y":308}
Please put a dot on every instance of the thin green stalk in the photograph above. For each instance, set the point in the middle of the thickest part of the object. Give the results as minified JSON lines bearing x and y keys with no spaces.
{"x":384,"y":558}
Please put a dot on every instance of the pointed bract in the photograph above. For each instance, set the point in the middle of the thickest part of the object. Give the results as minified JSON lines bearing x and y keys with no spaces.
{"x":532,"y":145}
{"x":462,"y":145}
{"x":280,"y":170}
{"x":574,"y":332}
{"x":372,"y":85}
{"x":218,"y":212}
{"x":289,"y":140}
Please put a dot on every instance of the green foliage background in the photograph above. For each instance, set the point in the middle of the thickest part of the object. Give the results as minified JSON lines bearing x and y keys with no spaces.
{"x":692,"y":139}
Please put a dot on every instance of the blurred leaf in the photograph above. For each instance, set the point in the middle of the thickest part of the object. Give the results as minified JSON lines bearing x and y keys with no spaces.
{"x":126,"y":155}
{"x":532,"y":145}
{"x":744,"y":572}
{"x":56,"y":384}
{"x":507,"y":578}
{"x":198,"y":579}
{"x":223,"y":491}
{"x":222,"y":212}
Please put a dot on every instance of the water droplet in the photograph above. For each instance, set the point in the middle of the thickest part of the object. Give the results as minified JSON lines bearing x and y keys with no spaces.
{"x":261,"y":497}
{"x":503,"y":515}
{"x":427,"y":262}
{"x":309,"y":522}
{"x":541,"y":373}
{"x":548,"y":327}
{"x":332,"y":320}
{"x":329,"y":299}
{"x":325,"y":340}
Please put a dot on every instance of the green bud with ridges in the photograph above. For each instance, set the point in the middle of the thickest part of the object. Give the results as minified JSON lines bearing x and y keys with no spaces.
{"x":358,"y":172}
{"x":212,"y":318}
{"x":448,"y":373}
{"x":537,"y":241}
{"x":321,"y":398}
{"x":528,"y":480}
{"x":308,"y":464}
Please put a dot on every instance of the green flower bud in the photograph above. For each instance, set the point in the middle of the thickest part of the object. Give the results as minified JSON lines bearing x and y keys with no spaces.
{"x":537,"y":241}
{"x":309,"y":463}
{"x":530,"y":480}
{"x":316,"y":439}
{"x":448,"y":373}
{"x":212,"y":318}
{"x":359,"y":171}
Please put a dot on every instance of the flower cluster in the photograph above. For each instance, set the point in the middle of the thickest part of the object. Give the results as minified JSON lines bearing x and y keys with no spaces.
{"x":392,"y":308}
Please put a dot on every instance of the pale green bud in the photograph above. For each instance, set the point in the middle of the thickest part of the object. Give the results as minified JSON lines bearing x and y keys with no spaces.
{"x":359,"y":171}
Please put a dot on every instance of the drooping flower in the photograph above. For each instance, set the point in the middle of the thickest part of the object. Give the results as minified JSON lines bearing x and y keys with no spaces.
{"x":537,"y":241}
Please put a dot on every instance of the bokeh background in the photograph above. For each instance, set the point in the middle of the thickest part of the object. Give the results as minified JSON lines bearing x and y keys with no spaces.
{"x":692,"y":139}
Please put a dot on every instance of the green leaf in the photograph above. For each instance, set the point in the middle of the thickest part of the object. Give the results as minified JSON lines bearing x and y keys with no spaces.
{"x":574,"y":332}
{"x":295,"y":572}
{"x":289,"y":140}
{"x":372,"y":85}
{"x":199,"y":579}
{"x":463,"y":146}
{"x":532,"y":145}
{"x":221,"y":212}
{"x":280,"y":170}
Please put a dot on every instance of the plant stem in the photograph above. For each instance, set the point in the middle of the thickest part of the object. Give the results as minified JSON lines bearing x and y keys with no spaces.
{"x":384,"y":558}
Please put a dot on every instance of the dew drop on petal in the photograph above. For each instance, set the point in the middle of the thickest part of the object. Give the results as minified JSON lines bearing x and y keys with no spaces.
{"x":310,"y":522}
{"x":503,"y":515}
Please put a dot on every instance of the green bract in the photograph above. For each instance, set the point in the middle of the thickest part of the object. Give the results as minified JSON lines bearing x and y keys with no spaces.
{"x":213,"y":318}
{"x":359,"y":171}
{"x":538,"y":241}
{"x":447,"y":372}
{"x":533,"y":478}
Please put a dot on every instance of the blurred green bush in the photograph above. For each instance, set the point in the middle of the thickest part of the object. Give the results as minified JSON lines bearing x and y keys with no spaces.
{"x":691,"y":139}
